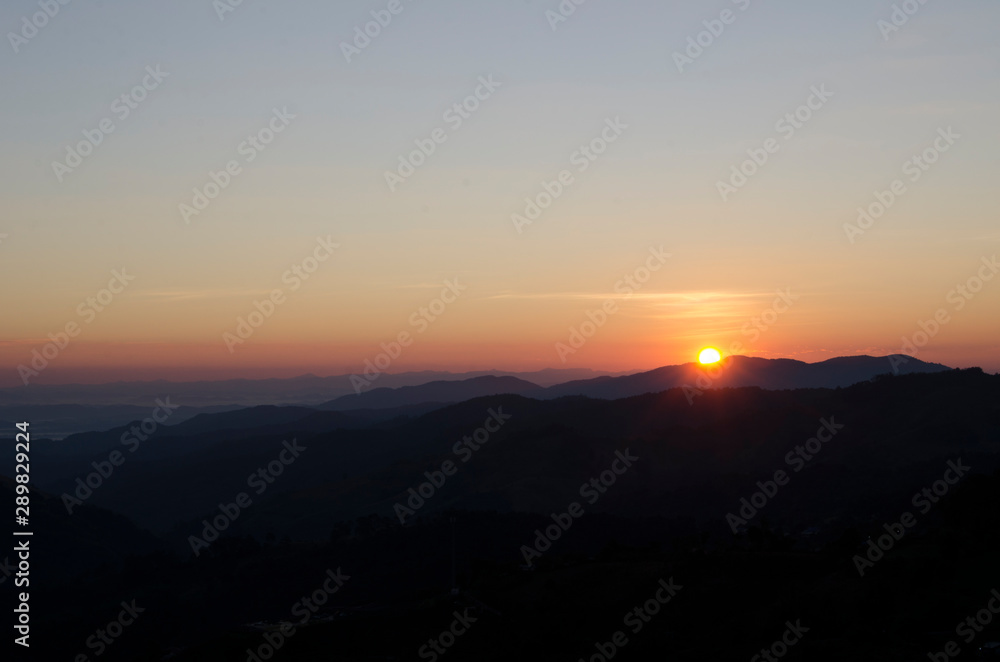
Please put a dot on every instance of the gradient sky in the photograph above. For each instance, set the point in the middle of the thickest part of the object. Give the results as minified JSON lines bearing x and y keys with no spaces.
{"x":655,"y":186}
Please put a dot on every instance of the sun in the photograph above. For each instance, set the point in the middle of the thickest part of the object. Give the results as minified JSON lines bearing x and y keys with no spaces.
{"x":709,"y":355}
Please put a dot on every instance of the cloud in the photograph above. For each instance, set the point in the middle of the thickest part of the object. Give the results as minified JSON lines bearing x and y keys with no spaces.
{"x":192,"y":295}
{"x":690,"y":305}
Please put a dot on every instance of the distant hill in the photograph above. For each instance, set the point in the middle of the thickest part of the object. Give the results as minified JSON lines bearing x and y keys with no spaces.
{"x":667,"y":515}
{"x":737,"y":371}
{"x":77,"y":542}
{"x":411,"y":394}
{"x":440,"y":391}
{"x":733,"y":371}
{"x":302,"y":390}
{"x":57,"y":421}
{"x":899,"y":429}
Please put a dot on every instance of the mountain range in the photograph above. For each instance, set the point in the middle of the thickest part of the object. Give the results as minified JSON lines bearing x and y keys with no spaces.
{"x":415,"y":393}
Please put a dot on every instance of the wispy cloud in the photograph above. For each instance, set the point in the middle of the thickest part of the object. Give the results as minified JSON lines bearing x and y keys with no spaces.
{"x":711,"y":306}
{"x":662,"y":298}
{"x":192,"y":295}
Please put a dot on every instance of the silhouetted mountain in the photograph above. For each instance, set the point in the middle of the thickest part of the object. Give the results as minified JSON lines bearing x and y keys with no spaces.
{"x":59,"y":421}
{"x":443,"y":392}
{"x":691,"y":452}
{"x":303,"y":390}
{"x":695,"y":462}
{"x":67,"y":544}
{"x":735,"y":371}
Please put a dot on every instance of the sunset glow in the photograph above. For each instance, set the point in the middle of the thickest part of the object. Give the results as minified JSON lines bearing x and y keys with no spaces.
{"x":709,"y":355}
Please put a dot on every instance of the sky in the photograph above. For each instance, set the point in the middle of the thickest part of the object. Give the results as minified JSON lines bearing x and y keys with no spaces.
{"x":644,"y":249}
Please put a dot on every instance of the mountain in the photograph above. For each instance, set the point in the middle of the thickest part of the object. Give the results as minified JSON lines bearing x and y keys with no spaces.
{"x":731,"y":372}
{"x":690,"y":452}
{"x":60,"y":410}
{"x":921,"y":446}
{"x":433,"y":392}
{"x":75,"y":542}
{"x":302,"y":390}
{"x":58,"y":421}
{"x":737,"y":371}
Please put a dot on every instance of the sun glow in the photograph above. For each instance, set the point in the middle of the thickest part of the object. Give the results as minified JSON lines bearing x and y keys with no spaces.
{"x":709,"y":355}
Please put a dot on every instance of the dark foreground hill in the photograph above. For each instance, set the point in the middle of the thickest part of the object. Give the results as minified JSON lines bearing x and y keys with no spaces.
{"x":760,"y":503}
{"x":699,"y":453}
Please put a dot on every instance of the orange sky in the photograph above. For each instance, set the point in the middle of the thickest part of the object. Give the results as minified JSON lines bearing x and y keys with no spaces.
{"x":627,"y":157}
